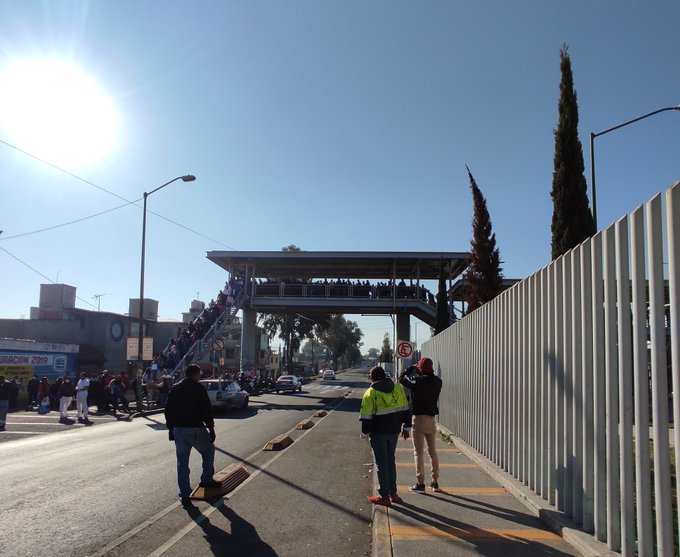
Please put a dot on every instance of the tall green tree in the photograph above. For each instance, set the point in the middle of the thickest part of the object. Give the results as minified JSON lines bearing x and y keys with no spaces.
{"x":442,"y":310}
{"x":292,"y":328}
{"x":386,"y":354}
{"x":483,"y":277}
{"x":572,"y":220}
{"x":342,"y":338}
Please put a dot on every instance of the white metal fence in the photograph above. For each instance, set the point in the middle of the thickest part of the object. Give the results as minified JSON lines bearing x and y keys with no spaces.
{"x":559,"y":379}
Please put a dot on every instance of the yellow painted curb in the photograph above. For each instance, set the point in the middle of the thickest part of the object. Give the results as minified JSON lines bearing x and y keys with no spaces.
{"x":278,"y":443}
{"x":230,"y":478}
{"x":471,"y":534}
{"x":305,"y":424}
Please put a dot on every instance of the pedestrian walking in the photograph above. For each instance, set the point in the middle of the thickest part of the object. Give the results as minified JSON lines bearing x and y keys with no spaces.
{"x":188,"y":415}
{"x":425,"y":388}
{"x":32,"y":389}
{"x":66,"y":393}
{"x":82,"y":388}
{"x":384,"y":414}
{"x":117,"y":390}
{"x":5,"y":390}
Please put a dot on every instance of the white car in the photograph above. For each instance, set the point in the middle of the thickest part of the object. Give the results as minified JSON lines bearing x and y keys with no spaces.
{"x":328,"y":374}
{"x":225,"y":394}
{"x":288,"y":383}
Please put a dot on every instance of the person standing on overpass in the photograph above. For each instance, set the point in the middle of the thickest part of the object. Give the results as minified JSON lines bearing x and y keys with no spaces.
{"x":384,"y":413}
{"x":188,"y":415}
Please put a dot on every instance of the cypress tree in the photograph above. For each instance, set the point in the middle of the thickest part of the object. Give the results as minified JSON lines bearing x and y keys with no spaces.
{"x":572,"y":221}
{"x":483,"y":276}
{"x":442,"y":309}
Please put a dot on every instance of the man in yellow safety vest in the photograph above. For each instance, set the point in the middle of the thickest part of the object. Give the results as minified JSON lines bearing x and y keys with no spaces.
{"x":385,"y":413}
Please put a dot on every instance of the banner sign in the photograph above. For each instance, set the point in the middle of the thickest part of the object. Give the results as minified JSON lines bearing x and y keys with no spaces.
{"x":132,"y":348}
{"x":42,"y":364}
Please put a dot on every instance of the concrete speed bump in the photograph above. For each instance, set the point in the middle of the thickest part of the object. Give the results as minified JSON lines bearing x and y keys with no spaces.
{"x":305,"y":424}
{"x":320,"y":413}
{"x":229,"y":478}
{"x":278,"y":443}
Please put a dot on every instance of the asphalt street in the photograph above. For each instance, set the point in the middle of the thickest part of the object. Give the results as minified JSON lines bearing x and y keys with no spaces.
{"x":110,"y":488}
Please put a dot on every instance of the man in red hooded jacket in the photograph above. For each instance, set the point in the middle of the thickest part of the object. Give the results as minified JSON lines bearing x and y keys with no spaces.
{"x":425,"y":387}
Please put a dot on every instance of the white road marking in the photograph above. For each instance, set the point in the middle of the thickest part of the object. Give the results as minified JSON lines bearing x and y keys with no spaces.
{"x":204,"y":514}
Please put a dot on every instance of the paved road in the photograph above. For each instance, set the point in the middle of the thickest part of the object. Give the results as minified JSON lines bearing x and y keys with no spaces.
{"x":110,"y":488}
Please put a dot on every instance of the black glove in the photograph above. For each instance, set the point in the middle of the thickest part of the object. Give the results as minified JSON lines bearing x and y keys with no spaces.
{"x":171,"y":435}
{"x":366,"y":426}
{"x":211,"y":431}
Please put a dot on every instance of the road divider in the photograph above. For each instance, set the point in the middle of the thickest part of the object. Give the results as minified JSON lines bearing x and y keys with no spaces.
{"x":305,"y":424}
{"x":278,"y":443}
{"x":229,"y":478}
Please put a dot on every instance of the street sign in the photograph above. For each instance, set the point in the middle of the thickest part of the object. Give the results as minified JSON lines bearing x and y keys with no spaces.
{"x":404,"y":349}
{"x":218,"y":345}
{"x":132,"y":348}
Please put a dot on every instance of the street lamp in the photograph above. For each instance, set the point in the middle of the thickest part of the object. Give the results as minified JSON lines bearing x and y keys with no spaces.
{"x":592,"y":151}
{"x":140,"y":348}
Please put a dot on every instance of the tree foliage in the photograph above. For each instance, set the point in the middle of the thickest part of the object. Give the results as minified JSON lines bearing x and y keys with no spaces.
{"x":442,"y":309}
{"x":483,"y":277}
{"x":342,"y":339}
{"x":292,"y":329}
{"x":386,"y":354}
{"x":572,"y":221}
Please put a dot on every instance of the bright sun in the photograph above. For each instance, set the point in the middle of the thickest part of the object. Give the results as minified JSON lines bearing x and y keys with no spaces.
{"x":55,"y":112}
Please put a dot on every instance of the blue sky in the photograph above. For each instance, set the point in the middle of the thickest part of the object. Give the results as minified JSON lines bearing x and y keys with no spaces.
{"x":339,"y":125}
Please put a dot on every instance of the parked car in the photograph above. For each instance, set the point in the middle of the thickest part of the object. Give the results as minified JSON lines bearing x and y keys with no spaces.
{"x":288,"y":383}
{"x":328,"y":374}
{"x":225,"y":394}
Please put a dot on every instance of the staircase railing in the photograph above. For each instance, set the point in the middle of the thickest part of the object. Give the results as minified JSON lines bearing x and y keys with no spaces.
{"x":199,"y":348}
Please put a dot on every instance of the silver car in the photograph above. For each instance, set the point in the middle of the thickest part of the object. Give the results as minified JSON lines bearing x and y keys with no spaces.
{"x":225,"y":394}
{"x":288,"y":383}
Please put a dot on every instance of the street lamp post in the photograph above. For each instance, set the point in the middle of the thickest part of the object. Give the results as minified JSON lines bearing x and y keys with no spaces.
{"x":592,"y":151}
{"x":140,"y":347}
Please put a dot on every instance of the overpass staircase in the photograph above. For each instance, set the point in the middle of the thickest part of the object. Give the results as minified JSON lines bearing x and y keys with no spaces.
{"x":223,"y":325}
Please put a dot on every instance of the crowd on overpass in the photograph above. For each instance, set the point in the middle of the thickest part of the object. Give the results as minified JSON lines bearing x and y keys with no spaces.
{"x":177,"y":349}
{"x":344,"y":288}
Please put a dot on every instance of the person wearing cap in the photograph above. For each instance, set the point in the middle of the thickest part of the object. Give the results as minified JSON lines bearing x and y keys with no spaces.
{"x":425,"y":387}
{"x":384,"y":414}
{"x":188,"y":415}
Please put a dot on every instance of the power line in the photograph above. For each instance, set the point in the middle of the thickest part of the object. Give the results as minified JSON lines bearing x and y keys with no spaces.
{"x":39,"y":273}
{"x":69,"y":222}
{"x":89,"y":183}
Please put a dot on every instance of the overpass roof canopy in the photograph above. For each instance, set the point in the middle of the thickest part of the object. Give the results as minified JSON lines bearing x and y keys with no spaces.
{"x":341,"y":264}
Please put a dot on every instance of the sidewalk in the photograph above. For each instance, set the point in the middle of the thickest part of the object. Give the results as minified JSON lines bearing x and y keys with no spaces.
{"x":472,"y":515}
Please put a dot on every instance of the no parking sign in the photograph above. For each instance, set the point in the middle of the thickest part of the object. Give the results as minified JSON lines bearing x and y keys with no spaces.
{"x":404,"y":349}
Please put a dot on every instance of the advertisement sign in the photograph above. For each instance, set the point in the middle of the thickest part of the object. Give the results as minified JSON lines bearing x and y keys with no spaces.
{"x":43,"y":364}
{"x":132,"y":348}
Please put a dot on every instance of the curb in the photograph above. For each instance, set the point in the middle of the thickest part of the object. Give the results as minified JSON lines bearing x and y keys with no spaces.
{"x":382,"y":538}
{"x":583,"y":542}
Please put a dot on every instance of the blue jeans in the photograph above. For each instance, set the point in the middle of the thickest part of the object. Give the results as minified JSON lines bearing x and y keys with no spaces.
{"x":199,"y":439}
{"x":384,"y":445}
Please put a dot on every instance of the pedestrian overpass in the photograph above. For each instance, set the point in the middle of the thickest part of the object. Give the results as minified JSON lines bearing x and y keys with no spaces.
{"x":365,"y":283}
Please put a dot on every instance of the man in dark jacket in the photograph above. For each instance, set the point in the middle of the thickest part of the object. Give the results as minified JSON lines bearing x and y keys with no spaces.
{"x":385,"y":413}
{"x":189,"y":418}
{"x":5,"y":388}
{"x":425,"y":387}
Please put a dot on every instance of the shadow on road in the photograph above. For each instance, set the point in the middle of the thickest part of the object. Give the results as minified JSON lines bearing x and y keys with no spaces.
{"x":242,"y":540}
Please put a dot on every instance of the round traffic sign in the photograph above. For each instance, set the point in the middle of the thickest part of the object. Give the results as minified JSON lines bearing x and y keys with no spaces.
{"x":404,"y":349}
{"x":218,"y":345}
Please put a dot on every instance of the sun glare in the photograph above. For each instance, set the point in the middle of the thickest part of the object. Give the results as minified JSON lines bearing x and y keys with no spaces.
{"x":53,"y":111}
